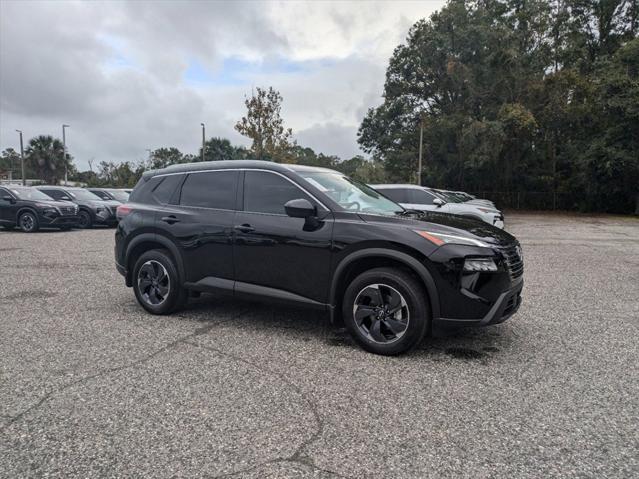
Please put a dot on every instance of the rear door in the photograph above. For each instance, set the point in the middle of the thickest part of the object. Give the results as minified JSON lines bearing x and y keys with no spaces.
{"x":276,"y":255}
{"x":199,"y":220}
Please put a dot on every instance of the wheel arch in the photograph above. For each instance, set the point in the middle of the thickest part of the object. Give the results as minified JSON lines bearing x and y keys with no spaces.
{"x":362,"y":260}
{"x":146,"y":242}
{"x":25,"y":209}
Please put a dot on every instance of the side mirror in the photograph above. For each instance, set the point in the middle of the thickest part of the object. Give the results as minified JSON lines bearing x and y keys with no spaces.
{"x":65,"y":198}
{"x":300,"y":208}
{"x":438,"y":202}
{"x":9,"y":198}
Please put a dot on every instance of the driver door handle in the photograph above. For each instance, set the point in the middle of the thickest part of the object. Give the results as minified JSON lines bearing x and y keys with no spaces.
{"x":170,"y":219}
{"x":244,"y":228}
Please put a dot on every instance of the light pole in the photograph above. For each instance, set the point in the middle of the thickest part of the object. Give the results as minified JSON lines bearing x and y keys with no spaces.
{"x":24,"y":181}
{"x":203,"y":140}
{"x":64,"y":152}
{"x":148,"y":150}
{"x":419,"y":162}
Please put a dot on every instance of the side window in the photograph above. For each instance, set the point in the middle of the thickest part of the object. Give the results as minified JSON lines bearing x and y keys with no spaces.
{"x":55,"y":194}
{"x":421,"y":197}
{"x":101,"y":194}
{"x":397,"y":195}
{"x":211,"y":189}
{"x":266,"y":192}
{"x":3,"y":193}
{"x":163,"y":192}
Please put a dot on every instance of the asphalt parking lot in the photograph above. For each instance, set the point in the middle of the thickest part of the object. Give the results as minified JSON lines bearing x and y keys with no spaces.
{"x":92,"y":386}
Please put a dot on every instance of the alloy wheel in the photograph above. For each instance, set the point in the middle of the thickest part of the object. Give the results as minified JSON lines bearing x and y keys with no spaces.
{"x":381,"y":313}
{"x":27,"y":222}
{"x":154,"y":284}
{"x":84,"y":219}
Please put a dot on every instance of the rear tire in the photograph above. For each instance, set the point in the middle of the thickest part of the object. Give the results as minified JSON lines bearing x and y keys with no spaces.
{"x":84,"y":220}
{"x":156,"y":283}
{"x":386,"y":311}
{"x":28,"y":222}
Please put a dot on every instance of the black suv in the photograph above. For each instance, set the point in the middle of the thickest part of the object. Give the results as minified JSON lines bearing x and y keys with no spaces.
{"x":93,"y":209}
{"x":30,"y":209}
{"x":313,"y":237}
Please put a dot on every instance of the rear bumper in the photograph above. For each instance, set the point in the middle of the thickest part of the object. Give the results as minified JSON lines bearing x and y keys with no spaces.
{"x":504,"y":307}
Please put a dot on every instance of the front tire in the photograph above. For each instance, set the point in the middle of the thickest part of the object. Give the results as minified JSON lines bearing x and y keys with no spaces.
{"x":84,"y":220}
{"x":386,"y":311}
{"x":156,"y":283}
{"x":28,"y":222}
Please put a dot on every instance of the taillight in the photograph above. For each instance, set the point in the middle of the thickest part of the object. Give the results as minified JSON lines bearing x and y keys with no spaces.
{"x":122,"y":211}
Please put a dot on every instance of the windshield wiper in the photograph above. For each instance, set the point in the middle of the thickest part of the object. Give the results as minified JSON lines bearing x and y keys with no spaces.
{"x":409,"y":212}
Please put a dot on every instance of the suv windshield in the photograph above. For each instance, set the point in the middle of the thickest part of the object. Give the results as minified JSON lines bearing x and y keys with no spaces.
{"x":29,"y":194}
{"x":81,"y":194}
{"x":351,"y":194}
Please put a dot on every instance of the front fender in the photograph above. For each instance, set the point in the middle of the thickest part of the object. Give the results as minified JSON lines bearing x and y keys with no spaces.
{"x":406,"y":259}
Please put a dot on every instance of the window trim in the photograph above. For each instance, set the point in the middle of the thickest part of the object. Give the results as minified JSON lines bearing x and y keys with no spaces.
{"x":186,"y":173}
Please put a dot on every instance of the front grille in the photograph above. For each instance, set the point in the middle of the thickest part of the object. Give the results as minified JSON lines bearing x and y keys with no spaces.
{"x":68,"y":210}
{"x":514,"y":260}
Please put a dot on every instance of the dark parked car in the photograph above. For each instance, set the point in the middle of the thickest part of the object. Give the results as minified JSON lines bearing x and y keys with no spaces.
{"x":30,"y":209}
{"x":313,"y":237}
{"x":92,"y":209}
{"x":110,"y":194}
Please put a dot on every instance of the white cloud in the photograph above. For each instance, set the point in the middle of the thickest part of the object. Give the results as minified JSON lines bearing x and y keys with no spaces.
{"x":116,"y":71}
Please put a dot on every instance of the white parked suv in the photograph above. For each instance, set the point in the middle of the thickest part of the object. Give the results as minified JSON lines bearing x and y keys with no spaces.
{"x":421,"y":198}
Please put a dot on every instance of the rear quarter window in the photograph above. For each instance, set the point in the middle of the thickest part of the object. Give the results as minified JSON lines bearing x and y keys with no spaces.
{"x":159,"y":189}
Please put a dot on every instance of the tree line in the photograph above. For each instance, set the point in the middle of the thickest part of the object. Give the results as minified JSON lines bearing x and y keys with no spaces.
{"x":516,"y":96}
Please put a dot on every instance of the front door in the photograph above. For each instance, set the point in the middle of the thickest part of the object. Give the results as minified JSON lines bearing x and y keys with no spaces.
{"x":276,"y":255}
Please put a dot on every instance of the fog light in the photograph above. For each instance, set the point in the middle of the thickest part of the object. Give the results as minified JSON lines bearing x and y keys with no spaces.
{"x":480,"y":264}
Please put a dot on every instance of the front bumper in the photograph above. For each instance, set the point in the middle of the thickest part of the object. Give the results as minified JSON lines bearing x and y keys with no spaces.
{"x":57,"y":220}
{"x":504,"y":307}
{"x":106,"y":218}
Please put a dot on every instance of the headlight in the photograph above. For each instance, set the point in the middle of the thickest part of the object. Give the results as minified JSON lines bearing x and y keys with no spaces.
{"x":99,"y":209}
{"x":480,"y":264}
{"x":440,"y":239}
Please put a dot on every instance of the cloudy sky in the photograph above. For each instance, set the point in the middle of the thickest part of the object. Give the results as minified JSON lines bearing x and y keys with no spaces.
{"x":128,"y":76}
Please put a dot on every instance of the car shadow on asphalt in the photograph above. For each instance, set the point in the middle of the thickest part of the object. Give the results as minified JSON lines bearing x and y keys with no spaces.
{"x":464,"y":344}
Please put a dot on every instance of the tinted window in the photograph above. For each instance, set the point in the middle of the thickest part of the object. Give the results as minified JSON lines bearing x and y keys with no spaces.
{"x":3,"y":193}
{"x":421,"y":197}
{"x":266,"y":192}
{"x":165,"y":189}
{"x":213,"y":189}
{"x":101,"y":194}
{"x":396,"y":194}
{"x":55,"y":194}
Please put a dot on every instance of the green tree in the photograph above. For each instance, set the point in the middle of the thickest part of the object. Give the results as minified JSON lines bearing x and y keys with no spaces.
{"x":263,"y":124}
{"x":218,"y":149}
{"x":163,"y":157}
{"x":45,"y":158}
{"x":10,"y":161}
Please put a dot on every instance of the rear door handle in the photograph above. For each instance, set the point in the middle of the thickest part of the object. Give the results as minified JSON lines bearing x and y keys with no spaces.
{"x":170,"y":219}
{"x":245,"y":228}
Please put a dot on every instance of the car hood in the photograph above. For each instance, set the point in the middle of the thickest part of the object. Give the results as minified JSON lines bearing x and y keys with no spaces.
{"x":448,"y":224}
{"x":58,"y":204}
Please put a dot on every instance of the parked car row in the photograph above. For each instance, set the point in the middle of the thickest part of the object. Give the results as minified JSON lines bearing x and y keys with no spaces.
{"x":421,"y":198}
{"x":33,"y":207}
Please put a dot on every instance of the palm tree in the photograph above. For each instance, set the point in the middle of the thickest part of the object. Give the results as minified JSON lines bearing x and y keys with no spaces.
{"x":45,"y":157}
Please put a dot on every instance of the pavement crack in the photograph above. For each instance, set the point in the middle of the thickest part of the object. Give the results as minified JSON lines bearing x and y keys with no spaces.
{"x":199,"y":331}
{"x":298,"y":455}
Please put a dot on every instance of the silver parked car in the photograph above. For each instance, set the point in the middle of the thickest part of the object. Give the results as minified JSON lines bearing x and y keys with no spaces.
{"x":425,"y":199}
